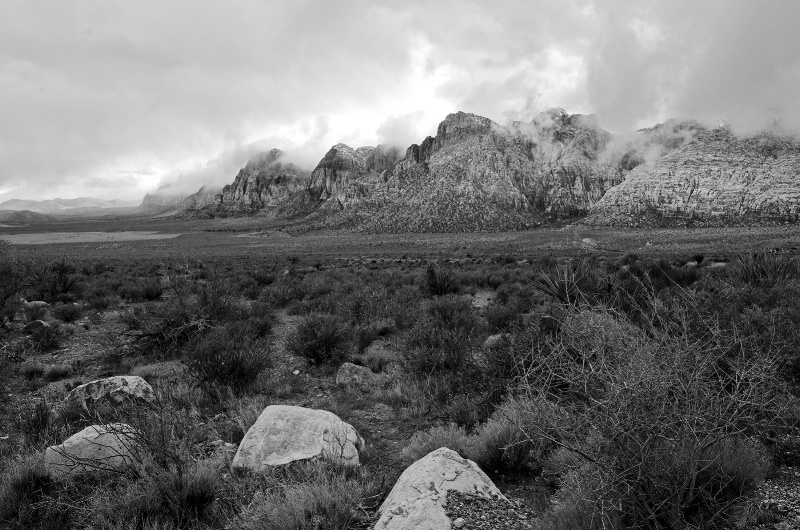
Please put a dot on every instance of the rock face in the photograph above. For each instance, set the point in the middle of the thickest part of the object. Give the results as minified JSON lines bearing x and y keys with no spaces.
{"x":345,"y":177}
{"x":205,"y":196}
{"x":112,"y":391}
{"x":718,"y":178}
{"x":417,"y":500}
{"x":109,"y":447}
{"x":264,"y":184}
{"x":284,"y":434}
{"x":342,"y":176}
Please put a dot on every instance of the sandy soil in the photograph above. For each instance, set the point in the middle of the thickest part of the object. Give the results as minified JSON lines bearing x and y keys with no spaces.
{"x":49,"y":238}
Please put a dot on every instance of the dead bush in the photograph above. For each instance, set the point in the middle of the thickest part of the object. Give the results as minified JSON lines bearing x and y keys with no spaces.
{"x":665,"y":411}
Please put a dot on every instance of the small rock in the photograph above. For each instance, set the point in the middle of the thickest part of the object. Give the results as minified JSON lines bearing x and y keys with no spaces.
{"x":494,"y":341}
{"x":36,"y":325}
{"x":458,"y":523}
{"x":352,"y":375}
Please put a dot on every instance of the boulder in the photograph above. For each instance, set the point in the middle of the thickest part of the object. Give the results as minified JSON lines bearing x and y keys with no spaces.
{"x":589,"y":242}
{"x":36,"y":325}
{"x":111,"y":447}
{"x":494,"y":341}
{"x":113,"y":391}
{"x":417,"y":500}
{"x":284,"y":434}
{"x":351,"y":375}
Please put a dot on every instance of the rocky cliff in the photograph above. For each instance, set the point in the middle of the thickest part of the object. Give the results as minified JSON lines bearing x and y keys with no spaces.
{"x":162,"y":200}
{"x":717,"y":178}
{"x":475,"y":175}
{"x":346,"y":177}
{"x":264,"y":184}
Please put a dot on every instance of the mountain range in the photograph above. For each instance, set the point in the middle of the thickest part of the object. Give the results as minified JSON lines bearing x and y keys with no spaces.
{"x":64,"y":205}
{"x":477,"y":175}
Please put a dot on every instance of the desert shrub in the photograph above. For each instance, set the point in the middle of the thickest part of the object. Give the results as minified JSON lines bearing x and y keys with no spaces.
{"x":23,"y":483}
{"x":67,"y":312}
{"x":226,"y":357}
{"x":584,"y":500}
{"x":451,"y":436}
{"x":663,"y":275}
{"x":402,"y":306}
{"x":503,"y":443}
{"x":46,"y":338}
{"x":282,"y":292}
{"x":376,"y":361}
{"x":440,"y":281}
{"x":180,"y":497}
{"x":55,"y":372}
{"x":195,"y":307}
{"x":9,"y":310}
{"x":663,"y":411}
{"x":15,"y":275}
{"x":55,"y":279}
{"x":320,"y":338}
{"x":262,"y":277}
{"x":444,"y":336}
{"x":501,"y":317}
{"x":132,"y":317}
{"x":764,"y":316}
{"x":358,"y":306}
{"x":758,"y":268}
{"x":34,"y":312}
{"x":363,"y":336}
{"x":33,"y":422}
{"x":101,"y":302}
{"x":31,"y":371}
{"x":314,"y":496}
{"x":143,"y":290}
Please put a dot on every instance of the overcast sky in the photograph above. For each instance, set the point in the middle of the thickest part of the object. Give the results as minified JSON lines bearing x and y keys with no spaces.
{"x":110,"y":99}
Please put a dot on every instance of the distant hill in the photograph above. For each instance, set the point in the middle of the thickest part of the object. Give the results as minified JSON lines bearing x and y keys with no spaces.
{"x":22,"y":217}
{"x":61,"y":205}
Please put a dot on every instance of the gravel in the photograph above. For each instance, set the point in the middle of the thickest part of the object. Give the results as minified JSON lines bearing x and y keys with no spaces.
{"x":473,"y":512}
{"x":779,"y":500}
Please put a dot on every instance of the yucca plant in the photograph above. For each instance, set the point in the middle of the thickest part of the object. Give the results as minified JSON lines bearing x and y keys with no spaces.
{"x":440,"y":281}
{"x":562,"y":285}
{"x":758,"y":268}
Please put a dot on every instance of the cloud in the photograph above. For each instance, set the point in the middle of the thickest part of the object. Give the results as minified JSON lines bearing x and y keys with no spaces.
{"x":402,"y":129}
{"x":171,"y":87}
{"x":713,"y":60}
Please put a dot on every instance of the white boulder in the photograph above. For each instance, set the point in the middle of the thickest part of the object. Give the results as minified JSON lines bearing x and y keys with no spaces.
{"x":417,"y":500}
{"x":284,"y":434}
{"x":111,"y":447}
{"x":112,"y":390}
